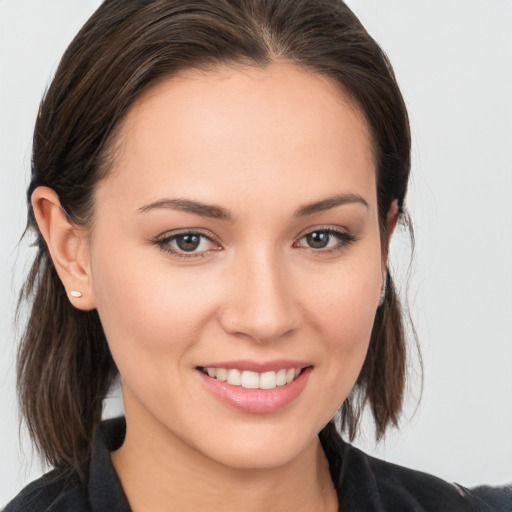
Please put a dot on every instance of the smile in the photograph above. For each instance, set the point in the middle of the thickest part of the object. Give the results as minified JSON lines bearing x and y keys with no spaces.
{"x":248,"y":390}
{"x":253,"y":380}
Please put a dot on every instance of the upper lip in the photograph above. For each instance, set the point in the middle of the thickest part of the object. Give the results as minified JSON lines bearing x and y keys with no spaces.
{"x":258,"y":366}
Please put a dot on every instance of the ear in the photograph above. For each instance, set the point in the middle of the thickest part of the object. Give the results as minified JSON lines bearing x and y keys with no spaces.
{"x":68,"y":246}
{"x":391,"y":221}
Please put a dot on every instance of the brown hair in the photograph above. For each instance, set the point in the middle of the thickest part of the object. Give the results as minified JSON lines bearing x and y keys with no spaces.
{"x":64,"y":365}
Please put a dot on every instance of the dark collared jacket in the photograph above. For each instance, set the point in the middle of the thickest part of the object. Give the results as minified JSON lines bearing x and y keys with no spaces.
{"x":363,"y":484}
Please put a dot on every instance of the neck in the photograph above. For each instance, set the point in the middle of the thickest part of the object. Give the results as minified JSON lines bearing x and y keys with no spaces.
{"x":155,"y":474}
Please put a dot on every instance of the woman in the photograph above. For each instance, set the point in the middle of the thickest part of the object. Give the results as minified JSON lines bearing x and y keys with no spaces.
{"x":214,"y":189}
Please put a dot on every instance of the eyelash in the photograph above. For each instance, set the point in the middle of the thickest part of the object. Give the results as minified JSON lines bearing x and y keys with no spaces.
{"x":344,"y":240}
{"x":164,"y":244}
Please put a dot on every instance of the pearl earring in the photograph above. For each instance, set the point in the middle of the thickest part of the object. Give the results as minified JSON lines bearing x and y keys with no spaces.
{"x":76,"y":294}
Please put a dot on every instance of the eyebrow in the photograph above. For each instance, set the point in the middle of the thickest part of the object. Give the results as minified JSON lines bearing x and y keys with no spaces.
{"x":189,"y":206}
{"x":217,"y":212}
{"x":329,"y":203}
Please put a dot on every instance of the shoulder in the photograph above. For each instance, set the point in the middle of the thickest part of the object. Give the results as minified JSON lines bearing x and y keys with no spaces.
{"x":393,"y":487}
{"x":100,"y":489}
{"x":51,"y":493}
{"x":368,"y":484}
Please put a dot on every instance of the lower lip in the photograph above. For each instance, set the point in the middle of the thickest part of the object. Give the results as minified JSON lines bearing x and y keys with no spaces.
{"x":257,"y":400}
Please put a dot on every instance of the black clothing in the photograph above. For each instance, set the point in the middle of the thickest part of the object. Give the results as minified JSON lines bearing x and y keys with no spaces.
{"x":363,"y":484}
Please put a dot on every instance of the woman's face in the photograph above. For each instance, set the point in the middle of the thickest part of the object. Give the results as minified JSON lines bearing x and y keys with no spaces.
{"x":238,"y":235}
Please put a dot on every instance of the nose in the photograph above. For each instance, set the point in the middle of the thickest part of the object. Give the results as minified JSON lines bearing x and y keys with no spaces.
{"x":261,"y":304}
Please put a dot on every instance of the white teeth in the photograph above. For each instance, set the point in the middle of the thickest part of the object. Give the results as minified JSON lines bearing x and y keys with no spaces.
{"x":254,"y":380}
{"x":250,"y":380}
{"x":281,"y":378}
{"x":268,"y":380}
{"x":234,"y":377}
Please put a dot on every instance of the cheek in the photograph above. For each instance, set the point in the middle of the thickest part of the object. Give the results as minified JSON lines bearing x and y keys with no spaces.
{"x":147,"y":310}
{"x":347,"y":339}
{"x":343,"y":316}
{"x":345,"y":306}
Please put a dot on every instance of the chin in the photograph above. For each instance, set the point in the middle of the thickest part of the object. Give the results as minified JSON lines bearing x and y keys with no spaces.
{"x":265,"y":446}
{"x":259,"y":456}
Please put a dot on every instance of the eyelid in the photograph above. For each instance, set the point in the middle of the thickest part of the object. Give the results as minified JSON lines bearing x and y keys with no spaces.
{"x":323,"y":227}
{"x":164,"y":240}
{"x":187,"y":231}
{"x":344,"y":236}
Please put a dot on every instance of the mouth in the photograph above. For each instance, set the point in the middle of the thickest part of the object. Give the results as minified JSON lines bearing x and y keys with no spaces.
{"x":253,"y":380}
{"x":273,"y":387}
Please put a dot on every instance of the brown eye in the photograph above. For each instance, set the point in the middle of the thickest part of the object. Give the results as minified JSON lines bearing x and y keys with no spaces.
{"x":188,"y":242}
{"x":318,"y":239}
{"x":326,"y":240}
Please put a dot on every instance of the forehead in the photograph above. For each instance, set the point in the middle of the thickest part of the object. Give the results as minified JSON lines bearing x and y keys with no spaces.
{"x":218,"y":130}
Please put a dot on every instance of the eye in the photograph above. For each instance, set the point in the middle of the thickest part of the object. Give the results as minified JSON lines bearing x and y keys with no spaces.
{"x":325,"y":239}
{"x":187,"y":244}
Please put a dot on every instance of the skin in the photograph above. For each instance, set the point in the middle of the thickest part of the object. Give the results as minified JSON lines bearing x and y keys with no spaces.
{"x":261,"y":144}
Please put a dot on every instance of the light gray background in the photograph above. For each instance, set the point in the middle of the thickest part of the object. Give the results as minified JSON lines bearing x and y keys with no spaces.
{"x":453,"y":60}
